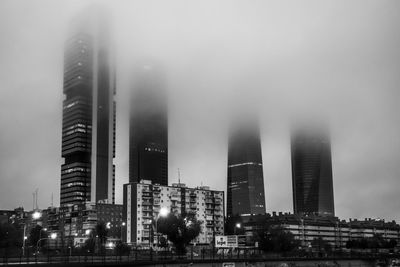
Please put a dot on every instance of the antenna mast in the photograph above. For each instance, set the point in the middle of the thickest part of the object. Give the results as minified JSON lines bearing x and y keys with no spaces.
{"x":36,"y":191}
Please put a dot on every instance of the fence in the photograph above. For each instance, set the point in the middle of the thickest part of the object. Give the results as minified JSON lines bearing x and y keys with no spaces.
{"x":151,"y":256}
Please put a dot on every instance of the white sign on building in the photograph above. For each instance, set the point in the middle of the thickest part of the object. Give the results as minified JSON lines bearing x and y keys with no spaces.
{"x":226,"y":241}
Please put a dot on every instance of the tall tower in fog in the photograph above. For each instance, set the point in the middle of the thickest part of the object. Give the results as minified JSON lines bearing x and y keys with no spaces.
{"x":148,"y":129}
{"x":312,"y":171}
{"x":88,"y":128}
{"x":245,"y":170}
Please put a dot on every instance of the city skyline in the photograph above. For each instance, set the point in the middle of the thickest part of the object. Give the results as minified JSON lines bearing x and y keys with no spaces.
{"x":357,"y":70}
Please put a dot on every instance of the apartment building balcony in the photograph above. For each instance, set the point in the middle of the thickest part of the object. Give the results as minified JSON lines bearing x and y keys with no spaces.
{"x":147,"y":215}
{"x":147,"y":209}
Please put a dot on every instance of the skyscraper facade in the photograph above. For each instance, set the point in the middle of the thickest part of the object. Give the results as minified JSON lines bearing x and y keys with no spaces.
{"x":245,"y":192}
{"x":148,"y":133}
{"x":312,"y":171}
{"x":88,"y":127}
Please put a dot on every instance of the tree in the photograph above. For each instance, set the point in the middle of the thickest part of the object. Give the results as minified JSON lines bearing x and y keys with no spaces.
{"x":179,"y":229}
{"x":375,"y":242}
{"x":321,"y":245}
{"x":277,"y":239}
{"x":89,"y":245}
{"x":122,"y":248}
{"x":9,"y":236}
{"x":35,"y":234}
{"x":163,"y":242}
{"x":101,"y":232}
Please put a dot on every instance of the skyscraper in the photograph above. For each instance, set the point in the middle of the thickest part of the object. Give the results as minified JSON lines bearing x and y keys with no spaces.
{"x":88,"y":128}
{"x":312,"y":171}
{"x":148,"y":133}
{"x":245,"y":171}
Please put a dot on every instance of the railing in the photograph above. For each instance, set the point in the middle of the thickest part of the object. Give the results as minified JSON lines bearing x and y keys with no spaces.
{"x":147,"y":256}
{"x":198,"y":253}
{"x":194,"y":254}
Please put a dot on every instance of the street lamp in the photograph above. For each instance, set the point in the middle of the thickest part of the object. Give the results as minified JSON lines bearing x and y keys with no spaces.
{"x":36,"y":215}
{"x":52,"y":236}
{"x":237,"y":226}
{"x":24,"y":238}
{"x":40,"y":232}
{"x":162,"y":213}
{"x":122,"y":225}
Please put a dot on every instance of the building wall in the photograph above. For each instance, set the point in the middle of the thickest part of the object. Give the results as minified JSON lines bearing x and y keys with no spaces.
{"x":144,"y":200}
{"x":331,"y":229}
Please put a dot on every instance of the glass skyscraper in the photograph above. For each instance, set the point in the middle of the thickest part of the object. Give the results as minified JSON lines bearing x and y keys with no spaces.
{"x":245,"y":171}
{"x":148,"y":134}
{"x":312,"y":171}
{"x":88,"y":127}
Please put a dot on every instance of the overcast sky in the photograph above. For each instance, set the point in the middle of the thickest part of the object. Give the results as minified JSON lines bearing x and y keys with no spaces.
{"x":339,"y":59}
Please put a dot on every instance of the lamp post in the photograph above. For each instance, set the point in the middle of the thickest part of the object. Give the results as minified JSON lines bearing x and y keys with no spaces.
{"x":52,"y":236}
{"x":122,"y":225}
{"x":163,"y":213}
{"x":24,"y":237}
{"x":237,"y":226}
{"x":36,"y":215}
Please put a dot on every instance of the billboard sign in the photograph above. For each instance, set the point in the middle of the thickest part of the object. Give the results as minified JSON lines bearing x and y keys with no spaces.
{"x":226,"y":241}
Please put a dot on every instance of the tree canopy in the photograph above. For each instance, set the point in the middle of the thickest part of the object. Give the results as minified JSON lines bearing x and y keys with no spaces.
{"x":179,"y":229}
{"x":277,"y":239}
{"x":376,"y":241}
{"x":9,"y":236}
{"x":35,"y":234}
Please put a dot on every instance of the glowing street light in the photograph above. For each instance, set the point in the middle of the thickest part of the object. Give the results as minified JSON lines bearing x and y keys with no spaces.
{"x":122,"y":226}
{"x":36,"y":215}
{"x":52,"y":236}
{"x":237,"y":226}
{"x":162,"y":213}
{"x":88,"y":231}
{"x":108,"y":225}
